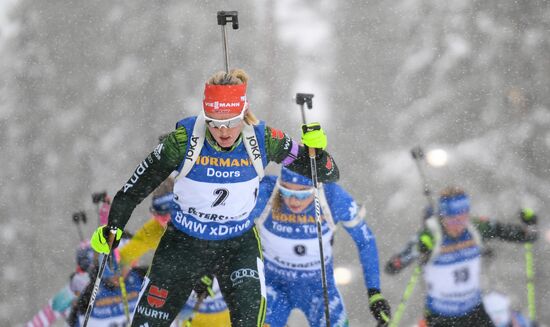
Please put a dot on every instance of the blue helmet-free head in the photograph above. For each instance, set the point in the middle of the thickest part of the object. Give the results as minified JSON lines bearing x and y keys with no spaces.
{"x":84,"y":256}
{"x":454,"y":205}
{"x":295,"y":186}
{"x":163,"y":198}
{"x":288,"y":176}
{"x":163,"y":204}
{"x":454,"y":209}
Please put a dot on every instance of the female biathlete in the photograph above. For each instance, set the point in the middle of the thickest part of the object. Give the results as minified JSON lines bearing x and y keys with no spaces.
{"x":449,"y":249}
{"x":220,"y":156}
{"x":288,"y":232}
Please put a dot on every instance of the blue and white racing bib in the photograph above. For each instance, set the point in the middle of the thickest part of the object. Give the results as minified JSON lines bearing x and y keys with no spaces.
{"x":216,"y":197}
{"x":452,"y":278}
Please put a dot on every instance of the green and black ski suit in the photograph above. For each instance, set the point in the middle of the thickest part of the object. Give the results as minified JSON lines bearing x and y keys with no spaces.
{"x":211,"y":230}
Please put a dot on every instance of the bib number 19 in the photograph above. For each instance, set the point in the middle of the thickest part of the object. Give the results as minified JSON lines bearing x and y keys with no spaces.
{"x":461,"y":275}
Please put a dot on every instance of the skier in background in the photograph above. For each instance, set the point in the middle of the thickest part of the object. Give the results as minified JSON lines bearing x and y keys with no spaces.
{"x":449,"y":249}
{"x":115,"y":301}
{"x":59,"y":306}
{"x":288,"y":232}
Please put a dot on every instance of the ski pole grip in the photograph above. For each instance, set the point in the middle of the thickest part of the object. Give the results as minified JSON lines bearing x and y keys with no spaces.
{"x":305,"y":98}
{"x":229,"y":16}
{"x":417,"y":153}
{"x":79,"y":216}
{"x":311,"y":152}
{"x":305,"y":129}
{"x":111,"y":238}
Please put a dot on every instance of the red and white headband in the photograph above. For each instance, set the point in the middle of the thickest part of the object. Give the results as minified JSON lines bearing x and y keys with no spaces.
{"x":224,"y":98}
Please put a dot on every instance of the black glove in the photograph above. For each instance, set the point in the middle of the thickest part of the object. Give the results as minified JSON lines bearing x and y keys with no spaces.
{"x":204,"y":287}
{"x":100,"y":197}
{"x":403,"y":259}
{"x":379,"y":307}
{"x":393,"y":266}
{"x":528,"y":216}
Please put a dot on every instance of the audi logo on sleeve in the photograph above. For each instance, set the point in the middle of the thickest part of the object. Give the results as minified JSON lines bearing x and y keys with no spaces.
{"x":238,"y":275}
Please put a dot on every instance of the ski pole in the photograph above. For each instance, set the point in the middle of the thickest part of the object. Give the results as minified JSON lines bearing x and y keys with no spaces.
{"x":124,"y":293}
{"x":530,"y":272}
{"x":225,"y":17}
{"x":394,"y":322}
{"x":301,"y":99}
{"x":101,"y":199}
{"x":304,"y":98}
{"x":98,"y":278}
{"x":189,"y":321}
{"x":529,"y":218}
{"x":78,"y":217}
{"x":208,"y":281}
{"x":418,"y":156}
{"x":124,"y":298}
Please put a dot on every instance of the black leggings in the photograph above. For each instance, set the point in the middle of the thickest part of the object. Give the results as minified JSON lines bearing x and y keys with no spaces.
{"x":181,"y":260}
{"x":478,"y":317}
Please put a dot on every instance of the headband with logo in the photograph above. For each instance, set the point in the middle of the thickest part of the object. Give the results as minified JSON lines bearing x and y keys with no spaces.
{"x":224,"y":98}
{"x":289,"y":176}
{"x":454,"y":206}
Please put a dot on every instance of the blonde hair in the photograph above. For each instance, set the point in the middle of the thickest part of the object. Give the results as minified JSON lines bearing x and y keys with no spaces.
{"x":235,"y":77}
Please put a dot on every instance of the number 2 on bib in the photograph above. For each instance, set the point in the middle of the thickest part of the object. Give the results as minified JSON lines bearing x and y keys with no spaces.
{"x":221,"y":194}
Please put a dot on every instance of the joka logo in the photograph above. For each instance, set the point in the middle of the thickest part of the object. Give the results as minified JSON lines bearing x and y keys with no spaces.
{"x":157,"y":296}
{"x":253,"y":143}
{"x":192,"y":145}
